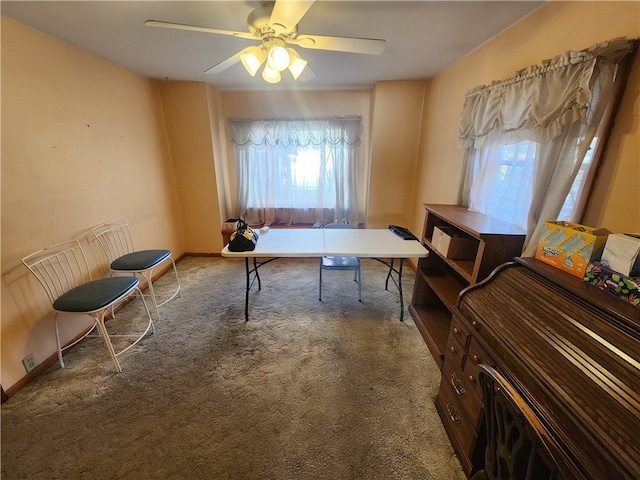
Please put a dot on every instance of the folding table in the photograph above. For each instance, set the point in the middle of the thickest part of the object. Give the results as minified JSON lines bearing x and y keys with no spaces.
{"x":378,"y":244}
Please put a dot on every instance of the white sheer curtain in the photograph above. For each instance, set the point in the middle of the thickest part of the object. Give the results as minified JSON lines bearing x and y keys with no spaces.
{"x":553,"y":112}
{"x":297,"y":170}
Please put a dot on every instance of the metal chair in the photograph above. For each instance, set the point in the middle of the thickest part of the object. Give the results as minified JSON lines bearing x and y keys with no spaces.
{"x":341,"y":263}
{"x":64,"y":273}
{"x":117,"y":243}
{"x":518,"y":447}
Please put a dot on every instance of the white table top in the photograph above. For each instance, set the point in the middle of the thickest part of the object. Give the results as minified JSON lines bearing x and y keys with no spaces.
{"x":317,"y":242}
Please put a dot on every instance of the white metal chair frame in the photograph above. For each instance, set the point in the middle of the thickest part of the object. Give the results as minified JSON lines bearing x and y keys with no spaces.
{"x":63,"y":272}
{"x":117,"y":243}
{"x":341,"y":263}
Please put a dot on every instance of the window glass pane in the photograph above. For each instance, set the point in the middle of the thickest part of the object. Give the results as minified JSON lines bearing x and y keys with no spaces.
{"x":511,"y":194}
{"x":304,"y":176}
{"x":568,"y":211}
{"x":503,"y":182}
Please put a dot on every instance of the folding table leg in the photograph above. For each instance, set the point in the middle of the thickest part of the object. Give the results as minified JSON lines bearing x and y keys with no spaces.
{"x":249,"y":271}
{"x":398,"y":283}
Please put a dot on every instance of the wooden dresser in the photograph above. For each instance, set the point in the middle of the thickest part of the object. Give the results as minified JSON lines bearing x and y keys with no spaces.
{"x":570,"y":350}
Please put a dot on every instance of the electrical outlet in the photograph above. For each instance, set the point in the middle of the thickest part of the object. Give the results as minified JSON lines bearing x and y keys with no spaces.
{"x":29,"y":362}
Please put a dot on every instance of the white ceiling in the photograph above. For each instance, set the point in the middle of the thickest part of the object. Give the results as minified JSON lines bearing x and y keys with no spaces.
{"x":423,"y":37}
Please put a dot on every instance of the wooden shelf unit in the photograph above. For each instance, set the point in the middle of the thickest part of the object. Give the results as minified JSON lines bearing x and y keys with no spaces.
{"x":439,"y":280}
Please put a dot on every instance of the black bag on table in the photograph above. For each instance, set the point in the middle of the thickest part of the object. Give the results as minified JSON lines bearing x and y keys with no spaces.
{"x":244,"y":239}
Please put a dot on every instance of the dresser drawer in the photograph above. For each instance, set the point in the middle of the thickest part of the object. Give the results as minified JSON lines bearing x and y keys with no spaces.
{"x":475,"y":356}
{"x":454,"y":353}
{"x":459,"y":330}
{"x":465,"y":393}
{"x":462,"y":435}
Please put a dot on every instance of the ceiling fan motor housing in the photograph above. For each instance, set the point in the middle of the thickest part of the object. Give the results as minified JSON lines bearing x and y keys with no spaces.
{"x":259,"y":24}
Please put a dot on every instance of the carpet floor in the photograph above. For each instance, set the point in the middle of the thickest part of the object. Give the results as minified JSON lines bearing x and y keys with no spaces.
{"x":305,"y":389}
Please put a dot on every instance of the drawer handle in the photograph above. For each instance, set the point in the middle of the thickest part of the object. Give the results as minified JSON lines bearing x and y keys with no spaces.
{"x":457,"y":385}
{"x":476,"y":359}
{"x":456,"y":331}
{"x":452,"y":412}
{"x":475,"y":324}
{"x":452,"y":349}
{"x":472,"y":379}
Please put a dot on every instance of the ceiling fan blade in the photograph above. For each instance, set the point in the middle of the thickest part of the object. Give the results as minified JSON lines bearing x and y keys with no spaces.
{"x":287,"y":13}
{"x":196,"y":28}
{"x":369,"y":46}
{"x":223,"y":65}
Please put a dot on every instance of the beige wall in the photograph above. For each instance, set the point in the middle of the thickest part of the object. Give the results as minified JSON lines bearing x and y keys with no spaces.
{"x":395,"y":134}
{"x":550,"y":30}
{"x":186,"y":113}
{"x":83,"y":142}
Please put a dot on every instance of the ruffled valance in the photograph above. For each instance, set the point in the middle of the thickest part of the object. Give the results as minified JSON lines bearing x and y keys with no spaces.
{"x":301,"y":133}
{"x":536,"y":103}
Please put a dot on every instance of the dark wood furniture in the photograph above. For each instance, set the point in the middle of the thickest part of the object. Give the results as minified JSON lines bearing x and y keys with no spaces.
{"x":439,"y":280}
{"x":572,"y":353}
{"x":517,"y":447}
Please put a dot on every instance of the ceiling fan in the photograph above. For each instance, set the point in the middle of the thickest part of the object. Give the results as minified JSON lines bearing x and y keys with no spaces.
{"x":275,"y":26}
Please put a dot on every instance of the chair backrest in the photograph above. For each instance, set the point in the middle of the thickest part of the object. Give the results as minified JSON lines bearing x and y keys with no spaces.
{"x":59,"y":268}
{"x":115,"y":238}
{"x":518,"y":447}
{"x":338,"y":225}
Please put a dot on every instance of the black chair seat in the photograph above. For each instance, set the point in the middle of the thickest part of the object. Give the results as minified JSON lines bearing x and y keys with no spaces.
{"x":94,"y":295}
{"x":65,"y":275}
{"x":141,"y":260}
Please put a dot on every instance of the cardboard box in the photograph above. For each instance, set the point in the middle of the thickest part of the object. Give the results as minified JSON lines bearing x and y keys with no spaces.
{"x":570,"y":246}
{"x":448,"y":243}
{"x":230,"y":224}
{"x":614,"y":283}
{"x":621,"y":252}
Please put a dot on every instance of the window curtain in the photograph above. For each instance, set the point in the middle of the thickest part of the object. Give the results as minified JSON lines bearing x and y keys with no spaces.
{"x":259,"y":146}
{"x":559,"y":105}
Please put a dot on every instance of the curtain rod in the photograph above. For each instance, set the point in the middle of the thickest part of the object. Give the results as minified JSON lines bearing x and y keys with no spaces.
{"x":290,"y":119}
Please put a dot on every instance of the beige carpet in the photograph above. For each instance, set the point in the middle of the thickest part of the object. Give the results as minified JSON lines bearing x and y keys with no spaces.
{"x":305,"y":390}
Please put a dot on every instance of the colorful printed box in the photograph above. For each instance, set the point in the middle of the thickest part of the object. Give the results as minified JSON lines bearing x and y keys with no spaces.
{"x":614,"y":283}
{"x":569,"y":246}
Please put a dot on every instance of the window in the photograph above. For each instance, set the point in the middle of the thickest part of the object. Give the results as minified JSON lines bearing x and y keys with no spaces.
{"x":302,"y":174}
{"x":534,"y":140}
{"x":297,"y":171}
{"x":504,"y":189}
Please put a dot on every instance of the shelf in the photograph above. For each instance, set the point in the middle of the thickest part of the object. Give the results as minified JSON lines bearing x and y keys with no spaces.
{"x":433,"y":323}
{"x":473,"y":223}
{"x":462,"y":267}
{"x":439,"y":279}
{"x":445,"y":286}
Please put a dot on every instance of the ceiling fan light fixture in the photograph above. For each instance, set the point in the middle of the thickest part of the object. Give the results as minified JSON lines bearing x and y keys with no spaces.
{"x":278,"y":58}
{"x":253,"y":58}
{"x":270,"y":75}
{"x":297,"y":64}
